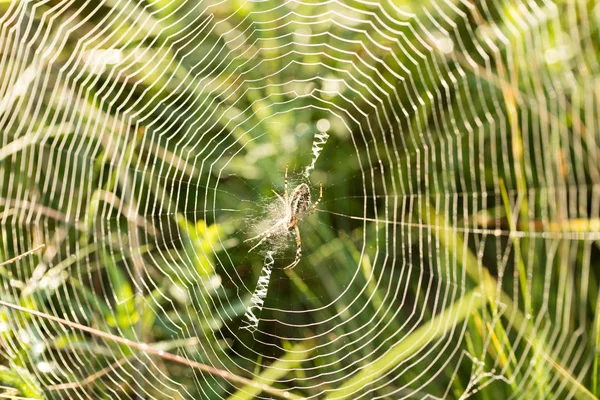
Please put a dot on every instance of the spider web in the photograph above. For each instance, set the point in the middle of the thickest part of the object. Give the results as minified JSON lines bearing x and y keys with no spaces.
{"x":454,"y":253}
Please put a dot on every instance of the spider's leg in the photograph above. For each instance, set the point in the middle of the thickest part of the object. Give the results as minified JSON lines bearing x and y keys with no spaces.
{"x":264,"y":235}
{"x":272,"y":228}
{"x":298,"y":249}
{"x":287,"y":200}
{"x":314,"y":207}
{"x":280,"y":198}
{"x":261,"y":241}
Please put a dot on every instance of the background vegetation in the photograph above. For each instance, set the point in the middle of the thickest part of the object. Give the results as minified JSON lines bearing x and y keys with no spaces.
{"x":455,"y":253}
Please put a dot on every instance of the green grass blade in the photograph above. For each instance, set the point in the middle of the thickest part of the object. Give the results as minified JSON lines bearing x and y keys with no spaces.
{"x":279,"y":368}
{"x":438,"y":326}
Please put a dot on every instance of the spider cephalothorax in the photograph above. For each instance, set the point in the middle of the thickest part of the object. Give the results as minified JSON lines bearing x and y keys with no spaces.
{"x":296,"y":206}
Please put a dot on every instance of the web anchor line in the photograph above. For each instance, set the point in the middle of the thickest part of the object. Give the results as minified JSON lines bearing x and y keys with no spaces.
{"x":257,"y":301}
{"x":319,"y":142}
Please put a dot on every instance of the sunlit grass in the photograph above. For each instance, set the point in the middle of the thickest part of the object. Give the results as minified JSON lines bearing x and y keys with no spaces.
{"x":486,"y":208}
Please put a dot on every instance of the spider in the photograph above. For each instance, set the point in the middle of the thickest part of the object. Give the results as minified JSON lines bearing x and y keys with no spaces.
{"x":296,"y":206}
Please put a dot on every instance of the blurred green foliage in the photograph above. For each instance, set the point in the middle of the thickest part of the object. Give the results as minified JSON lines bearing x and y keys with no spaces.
{"x":460,"y":193}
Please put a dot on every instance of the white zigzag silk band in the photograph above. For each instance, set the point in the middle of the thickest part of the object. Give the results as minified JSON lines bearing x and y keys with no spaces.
{"x":318,"y":143}
{"x":257,"y":301}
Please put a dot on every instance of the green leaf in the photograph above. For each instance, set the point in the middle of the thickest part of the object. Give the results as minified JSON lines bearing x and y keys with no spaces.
{"x":22,"y":380}
{"x":125,"y":315}
{"x":201,"y":242}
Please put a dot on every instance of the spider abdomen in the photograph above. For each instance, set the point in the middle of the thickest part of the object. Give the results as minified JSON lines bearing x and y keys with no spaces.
{"x":299,"y":203}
